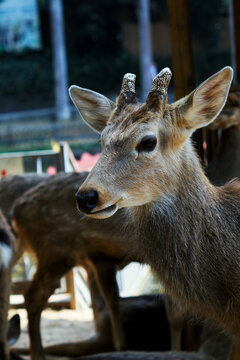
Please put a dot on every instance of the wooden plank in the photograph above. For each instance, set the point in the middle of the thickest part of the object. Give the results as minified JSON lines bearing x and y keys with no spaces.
{"x":56,"y":301}
{"x":236,"y":14}
{"x":70,"y":288}
{"x":181,"y":44}
{"x":182,"y":57}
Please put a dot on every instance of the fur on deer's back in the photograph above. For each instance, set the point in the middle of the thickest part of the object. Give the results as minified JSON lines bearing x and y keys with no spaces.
{"x":49,"y":210}
{"x":13,"y":186}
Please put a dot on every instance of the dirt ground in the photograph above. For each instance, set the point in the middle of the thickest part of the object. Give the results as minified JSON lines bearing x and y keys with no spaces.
{"x":58,"y":326}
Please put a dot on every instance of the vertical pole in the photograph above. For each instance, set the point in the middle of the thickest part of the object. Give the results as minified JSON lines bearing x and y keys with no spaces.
{"x":181,"y":44}
{"x":236,"y":13}
{"x":70,"y":288}
{"x":145,"y":46}
{"x":182,"y":56}
{"x":39,"y":167}
{"x":60,"y":60}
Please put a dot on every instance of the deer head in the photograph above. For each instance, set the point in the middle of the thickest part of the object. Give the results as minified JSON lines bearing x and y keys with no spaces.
{"x":144,"y":146}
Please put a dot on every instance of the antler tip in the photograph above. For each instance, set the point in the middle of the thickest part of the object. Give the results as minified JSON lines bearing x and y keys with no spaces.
{"x":129,"y":76}
{"x":166,"y":70}
{"x":128,"y":83}
{"x":162,"y":80}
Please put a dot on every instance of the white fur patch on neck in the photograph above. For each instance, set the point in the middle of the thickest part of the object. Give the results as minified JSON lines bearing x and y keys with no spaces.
{"x":5,"y":256}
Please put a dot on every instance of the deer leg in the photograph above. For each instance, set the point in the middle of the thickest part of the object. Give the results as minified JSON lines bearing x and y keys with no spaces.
{"x":177,"y":320}
{"x":5,"y":281}
{"x":45,"y":281}
{"x":105,"y":273}
{"x":101,"y":341}
{"x":98,"y":303}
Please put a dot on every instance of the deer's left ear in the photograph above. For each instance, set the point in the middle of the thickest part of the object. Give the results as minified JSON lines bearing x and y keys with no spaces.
{"x":203,"y":105}
{"x":94,"y":108}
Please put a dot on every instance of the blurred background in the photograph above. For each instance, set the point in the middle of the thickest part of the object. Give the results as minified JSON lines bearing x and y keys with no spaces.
{"x":47,"y":45}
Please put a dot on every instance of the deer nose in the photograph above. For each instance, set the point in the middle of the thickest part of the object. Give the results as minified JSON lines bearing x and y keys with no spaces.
{"x":86,"y":200}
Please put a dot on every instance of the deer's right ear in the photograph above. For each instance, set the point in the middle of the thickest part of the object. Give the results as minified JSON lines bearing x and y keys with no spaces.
{"x":94,"y":108}
{"x":204,"y":104}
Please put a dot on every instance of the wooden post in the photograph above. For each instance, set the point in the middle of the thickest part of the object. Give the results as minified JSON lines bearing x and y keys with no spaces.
{"x":181,"y":44}
{"x":236,"y":13}
{"x":182,"y":56}
{"x":70,"y":288}
{"x":60,"y":60}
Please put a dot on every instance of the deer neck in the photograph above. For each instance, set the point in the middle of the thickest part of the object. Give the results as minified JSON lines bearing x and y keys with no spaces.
{"x":171,"y":231}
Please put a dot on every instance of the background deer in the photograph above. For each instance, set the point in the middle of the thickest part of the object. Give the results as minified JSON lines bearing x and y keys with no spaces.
{"x":148,"y":165}
{"x":7,"y":249}
{"x":10,"y":189}
{"x":47,"y":222}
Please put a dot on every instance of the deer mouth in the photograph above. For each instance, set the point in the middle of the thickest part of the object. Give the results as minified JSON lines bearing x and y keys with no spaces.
{"x":105,"y":212}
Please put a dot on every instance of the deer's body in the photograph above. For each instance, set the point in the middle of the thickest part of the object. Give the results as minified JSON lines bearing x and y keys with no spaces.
{"x":47,"y":222}
{"x":187,"y":229}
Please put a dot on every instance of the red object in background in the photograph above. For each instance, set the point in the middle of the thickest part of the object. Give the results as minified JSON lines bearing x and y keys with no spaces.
{"x":3,"y":172}
{"x":51,"y":170}
{"x":87,"y":161}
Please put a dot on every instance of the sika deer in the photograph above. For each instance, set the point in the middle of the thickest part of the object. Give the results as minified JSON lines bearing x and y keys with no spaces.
{"x":187,"y":229}
{"x":37,"y":236}
{"x":46,"y":220}
{"x":11,"y":187}
{"x":7,"y":249}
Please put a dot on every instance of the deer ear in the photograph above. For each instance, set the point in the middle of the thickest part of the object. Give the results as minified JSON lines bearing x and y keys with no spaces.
{"x":94,"y":108}
{"x":203,"y":105}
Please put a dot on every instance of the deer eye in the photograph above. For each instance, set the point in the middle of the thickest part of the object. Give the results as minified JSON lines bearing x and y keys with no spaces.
{"x":147,"y":144}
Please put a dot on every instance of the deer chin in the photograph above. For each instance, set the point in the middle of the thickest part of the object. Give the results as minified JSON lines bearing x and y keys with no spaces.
{"x":105,"y":212}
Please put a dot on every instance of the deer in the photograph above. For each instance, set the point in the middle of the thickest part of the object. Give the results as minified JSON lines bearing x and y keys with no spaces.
{"x":11,"y":187}
{"x":185,"y":227}
{"x":70,"y":239}
{"x":99,"y":342}
{"x":49,"y":226}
